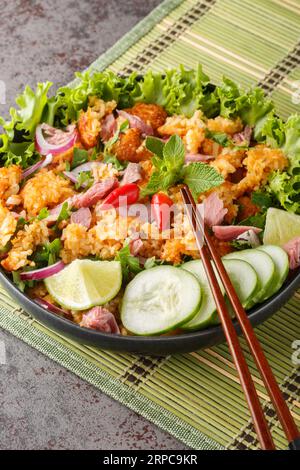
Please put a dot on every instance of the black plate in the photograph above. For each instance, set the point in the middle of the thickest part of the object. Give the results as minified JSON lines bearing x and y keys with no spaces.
{"x":186,"y":342}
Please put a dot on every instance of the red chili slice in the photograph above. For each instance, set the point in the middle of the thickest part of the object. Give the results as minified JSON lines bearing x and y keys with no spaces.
{"x":127,"y":194}
{"x":160,"y":208}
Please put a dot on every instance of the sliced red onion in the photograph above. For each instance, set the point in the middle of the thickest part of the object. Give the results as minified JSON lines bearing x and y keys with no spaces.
{"x":85,"y":167}
{"x":136,"y":122}
{"x":42,"y":273}
{"x":70,"y":176}
{"x":38,"y":166}
{"x":52,"y":308}
{"x":58,"y":141}
{"x":197,"y":157}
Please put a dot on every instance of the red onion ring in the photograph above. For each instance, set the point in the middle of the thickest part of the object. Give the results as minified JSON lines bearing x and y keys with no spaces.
{"x":37,"y":166}
{"x":43,"y":147}
{"x":70,"y":176}
{"x":42,"y":273}
{"x":48,"y":306}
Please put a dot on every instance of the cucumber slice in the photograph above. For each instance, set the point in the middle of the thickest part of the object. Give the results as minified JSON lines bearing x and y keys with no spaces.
{"x":160,"y":299}
{"x":244,"y":280}
{"x":207,"y":311}
{"x":264,"y":267}
{"x":281,"y":261}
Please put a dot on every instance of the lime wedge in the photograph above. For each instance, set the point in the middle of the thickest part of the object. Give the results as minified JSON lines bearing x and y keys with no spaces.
{"x":85,"y":283}
{"x":281,"y":226}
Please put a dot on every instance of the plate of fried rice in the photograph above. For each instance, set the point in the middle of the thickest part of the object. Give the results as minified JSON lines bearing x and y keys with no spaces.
{"x":95,"y":241}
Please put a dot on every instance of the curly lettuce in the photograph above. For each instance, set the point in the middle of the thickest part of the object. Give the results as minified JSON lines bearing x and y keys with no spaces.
{"x":286,"y":136}
{"x":179,"y":91}
{"x":16,"y":143}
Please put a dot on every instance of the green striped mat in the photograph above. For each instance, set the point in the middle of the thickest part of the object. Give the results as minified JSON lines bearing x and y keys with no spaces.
{"x":197,"y":397}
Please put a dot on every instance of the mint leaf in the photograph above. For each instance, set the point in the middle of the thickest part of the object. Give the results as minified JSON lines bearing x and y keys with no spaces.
{"x":155,"y":146}
{"x":173,"y":153}
{"x":169,"y":165}
{"x":201,"y":177}
{"x":80,"y":156}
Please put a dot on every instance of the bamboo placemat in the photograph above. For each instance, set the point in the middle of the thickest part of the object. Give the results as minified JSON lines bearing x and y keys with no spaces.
{"x":196,"y":397}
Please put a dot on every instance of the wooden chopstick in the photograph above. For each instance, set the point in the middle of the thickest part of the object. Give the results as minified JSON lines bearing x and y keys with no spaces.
{"x":283,"y":412}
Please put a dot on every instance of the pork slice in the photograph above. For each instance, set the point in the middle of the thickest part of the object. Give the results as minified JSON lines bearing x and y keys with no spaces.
{"x":214,"y":211}
{"x":82,"y":216}
{"x":97,"y":192}
{"x":292,"y":248}
{"x":231,"y":232}
{"x":101,"y":319}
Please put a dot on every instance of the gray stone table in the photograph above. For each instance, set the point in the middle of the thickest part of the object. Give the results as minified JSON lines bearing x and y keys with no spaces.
{"x":42,"y":405}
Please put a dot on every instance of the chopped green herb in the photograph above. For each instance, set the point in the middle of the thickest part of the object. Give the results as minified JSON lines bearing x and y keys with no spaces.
{"x":17,"y":280}
{"x":43,"y":213}
{"x":48,"y":253}
{"x":261,"y":199}
{"x":129,"y":263}
{"x":64,"y":213}
{"x":258,"y":220}
{"x":84,"y":177}
{"x":220,"y":137}
{"x":123,"y":127}
{"x":80,"y":156}
{"x":115,"y":162}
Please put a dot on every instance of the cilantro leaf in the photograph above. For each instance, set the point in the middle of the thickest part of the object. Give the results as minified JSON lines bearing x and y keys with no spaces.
{"x":258,"y":220}
{"x":123,"y":127}
{"x":129,"y":263}
{"x":64,"y":214}
{"x":200,"y":178}
{"x":115,"y":162}
{"x":261,"y":199}
{"x":84,"y":177}
{"x":80,"y":156}
{"x":48,"y":253}
{"x":43,"y":213}
{"x":220,"y":137}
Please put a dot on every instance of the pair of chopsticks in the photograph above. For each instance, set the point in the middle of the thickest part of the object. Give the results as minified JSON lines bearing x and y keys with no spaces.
{"x":208,"y":254}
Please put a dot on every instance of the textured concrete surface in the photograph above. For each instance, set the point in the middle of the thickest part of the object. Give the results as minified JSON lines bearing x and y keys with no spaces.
{"x":43,"y":406}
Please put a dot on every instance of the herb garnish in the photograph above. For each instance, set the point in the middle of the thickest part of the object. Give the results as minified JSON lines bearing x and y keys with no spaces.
{"x":129,"y":263}
{"x":80,"y":156}
{"x":170,"y":169}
